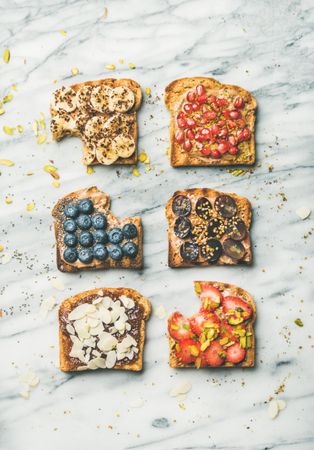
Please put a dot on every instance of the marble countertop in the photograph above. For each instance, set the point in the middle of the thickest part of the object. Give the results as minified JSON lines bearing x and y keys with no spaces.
{"x":266,"y":49}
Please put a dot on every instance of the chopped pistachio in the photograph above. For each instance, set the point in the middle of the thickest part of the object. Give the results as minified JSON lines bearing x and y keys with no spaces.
{"x":298,"y":322}
{"x":223,"y":341}
{"x":205,"y":345}
{"x":75,"y":71}
{"x":2,"y":111}
{"x":6,"y":55}
{"x":143,"y":157}
{"x":42,"y":121}
{"x":41,"y":139}
{"x":8,"y":200}
{"x":90,"y":170}
{"x":30,"y":206}
{"x":131,"y":66}
{"x":197,"y":287}
{"x":110,"y":66}
{"x":135,"y":172}
{"x":35,"y":127}
{"x":181,"y":406}
{"x":243,"y":341}
{"x":1,"y":248}
{"x":186,"y":326}
{"x":6,"y":162}
{"x":121,"y":61}
{"x":52,"y":170}
{"x":174,"y":327}
{"x":14,"y":87}
{"x":63,"y":32}
{"x":8,"y":130}
{"x":56,"y":184}
{"x":148,"y":91}
{"x":194,"y":350}
{"x":19,"y":128}
{"x":7,"y":98}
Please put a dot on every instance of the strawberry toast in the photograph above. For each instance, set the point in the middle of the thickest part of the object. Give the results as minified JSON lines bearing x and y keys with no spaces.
{"x":220,"y":334}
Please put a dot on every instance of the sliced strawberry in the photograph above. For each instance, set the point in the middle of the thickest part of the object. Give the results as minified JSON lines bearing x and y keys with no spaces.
{"x":210,"y":296}
{"x":236,"y":309}
{"x":235,"y":353}
{"x":179,"y":327}
{"x":227,"y":331}
{"x":187,"y":350}
{"x":215,"y":354}
{"x":202,"y":319}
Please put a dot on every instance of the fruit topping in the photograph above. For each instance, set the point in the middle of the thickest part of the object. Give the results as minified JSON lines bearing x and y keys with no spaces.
{"x":115,"y":235}
{"x":115,"y":252}
{"x":69,"y":226}
{"x":215,"y":354}
{"x":189,"y":251}
{"x":100,"y":252}
{"x":86,"y":239}
{"x":100,"y":236}
{"x":130,"y":249}
{"x":236,"y":310}
{"x":182,"y":227}
{"x":203,"y":208}
{"x":187,"y":351}
{"x":85,"y":255}
{"x":70,"y":255}
{"x":71,"y":210}
{"x":129,"y":231}
{"x":210,"y":296}
{"x":205,"y":322}
{"x":99,"y":221}
{"x":235,"y":353}
{"x":86,"y":206}
{"x":181,"y":205}
{"x":233,"y":249}
{"x":212,"y":250}
{"x":215,"y":228}
{"x":226,"y":206}
{"x":236,"y":229}
{"x":179,"y":327}
{"x":84,"y":222}
{"x":70,"y":240}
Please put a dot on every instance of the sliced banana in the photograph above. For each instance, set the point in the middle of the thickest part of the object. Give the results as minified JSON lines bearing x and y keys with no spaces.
{"x":64,"y":99}
{"x":119,"y":124}
{"x":89,"y":154}
{"x":83,"y":97}
{"x":105,"y":152}
{"x":124,"y":146}
{"x":94,"y":126}
{"x":81,"y":120}
{"x":60,"y":124}
{"x":121,"y":100}
{"x":100,"y":98}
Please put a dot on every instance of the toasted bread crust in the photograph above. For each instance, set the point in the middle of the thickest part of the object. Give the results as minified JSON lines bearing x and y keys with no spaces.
{"x":249,"y":361}
{"x":112,"y":82}
{"x":103,"y":206}
{"x":173,"y":95}
{"x":244,"y":212}
{"x":65,"y":343}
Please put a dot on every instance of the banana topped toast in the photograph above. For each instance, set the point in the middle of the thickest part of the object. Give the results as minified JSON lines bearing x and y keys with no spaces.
{"x":89,"y":236}
{"x":212,"y":124}
{"x":103,"y":329}
{"x":220,"y":334}
{"x":103,"y":114}
{"x":208,"y":227}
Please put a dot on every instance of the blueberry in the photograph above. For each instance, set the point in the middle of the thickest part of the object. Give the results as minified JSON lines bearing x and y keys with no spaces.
{"x":71,"y":210}
{"x":100,"y":252}
{"x":86,"y":239}
{"x":99,"y":221}
{"x":86,"y":206}
{"x":129,"y":231}
{"x":85,"y":255}
{"x":69,"y":226}
{"x":84,"y":222}
{"x":70,"y":240}
{"x":115,"y":235}
{"x":115,"y":252}
{"x":70,"y":255}
{"x":100,"y":236}
{"x":130,"y":249}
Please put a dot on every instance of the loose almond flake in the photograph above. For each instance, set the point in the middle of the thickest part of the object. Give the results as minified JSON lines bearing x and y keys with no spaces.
{"x":41,"y":139}
{"x":281,"y":405}
{"x":182,"y":388}
{"x":24,"y":393}
{"x":75,"y":71}
{"x":6,"y":162}
{"x":136,"y":403}
{"x":57,"y":284}
{"x":8,"y":130}
{"x":160,"y":312}
{"x":30,"y":206}
{"x":148,"y":91}
{"x":6,"y":55}
{"x":8,"y":98}
{"x":46,"y":306}
{"x":110,"y":66}
{"x":5,"y":258}
{"x":273,"y":409}
{"x":105,"y":13}
{"x":63,"y":32}
{"x":135,"y":172}
{"x":303,"y":212}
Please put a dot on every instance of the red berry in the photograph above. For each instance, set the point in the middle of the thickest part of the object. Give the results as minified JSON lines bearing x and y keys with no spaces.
{"x":210,"y":115}
{"x":225,"y":113}
{"x":199,"y":319}
{"x":241,"y":123}
{"x":181,"y":123}
{"x":191,"y":96}
{"x":235,"y":114}
{"x":181,"y":115}
{"x":195,"y":106}
{"x":210,"y":296}
{"x":246,"y":134}
{"x":215,"y":107}
{"x":223,"y":132}
{"x":206,"y":150}
{"x":235,"y":353}
{"x":231,"y":124}
{"x":190,"y":135}
{"x":187,"y":351}
{"x":187,"y":108}
{"x":238,"y":102}
{"x":222,"y":102}
{"x":215,"y":129}
{"x":198,"y":137}
{"x":180,"y":137}
{"x":190,"y":123}
{"x":221,"y":123}
{"x":201,"y":99}
{"x":215,"y":354}
{"x":232,"y":140}
{"x":187,"y":145}
{"x":205,"y":132}
{"x":179,"y":327}
{"x":200,"y":90}
{"x":232,"y":304}
{"x":223,"y":147}
{"x":233,"y":150}
{"x":215,"y":154}
{"x":212,"y":99}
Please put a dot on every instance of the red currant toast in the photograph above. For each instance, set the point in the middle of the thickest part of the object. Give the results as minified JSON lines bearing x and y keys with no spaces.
{"x":103,"y":114}
{"x":207,"y":227}
{"x":212,"y":124}
{"x":89,"y":236}
{"x":103,"y":329}
{"x":220,"y":334}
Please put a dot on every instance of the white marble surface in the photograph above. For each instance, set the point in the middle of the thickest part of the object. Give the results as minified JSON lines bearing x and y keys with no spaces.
{"x":264,"y":46}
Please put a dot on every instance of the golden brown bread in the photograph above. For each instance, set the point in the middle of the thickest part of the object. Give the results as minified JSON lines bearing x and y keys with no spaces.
{"x":64,"y":129}
{"x":174,"y":243}
{"x":101,"y":203}
{"x":232,"y":290}
{"x":143,"y":309}
{"x":175,"y":96}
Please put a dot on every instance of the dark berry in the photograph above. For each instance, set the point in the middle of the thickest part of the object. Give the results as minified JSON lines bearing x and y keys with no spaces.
{"x":69,"y":226}
{"x":71,"y":210}
{"x":129,"y":231}
{"x":115,"y":252}
{"x":100,"y":236}
{"x":70,"y":240}
{"x":85,"y":255}
{"x":86,"y":239}
{"x":99,"y":221}
{"x":100,"y":252}
{"x":115,"y":235}
{"x":130,"y":249}
{"x":70,"y":255}
{"x":84,"y":222}
{"x":86,"y":206}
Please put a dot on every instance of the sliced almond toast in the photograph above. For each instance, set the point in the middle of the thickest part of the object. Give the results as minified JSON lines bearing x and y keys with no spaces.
{"x":89,"y":236}
{"x":103,"y":114}
{"x":103,"y":329}
{"x":207,"y":227}
{"x":211,"y":124}
{"x":221,"y":334}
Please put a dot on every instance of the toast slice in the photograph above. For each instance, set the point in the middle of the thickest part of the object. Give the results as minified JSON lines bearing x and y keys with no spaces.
{"x":103,"y":328}
{"x":115,"y":249}
{"x":208,"y":227}
{"x":103,"y":114}
{"x":221,"y":334}
{"x":211,"y":124}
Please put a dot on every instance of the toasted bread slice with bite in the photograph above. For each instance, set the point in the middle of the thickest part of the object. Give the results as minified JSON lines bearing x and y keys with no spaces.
{"x":103,"y":329}
{"x":103,"y":114}
{"x":89,"y":236}
{"x":211,"y":124}
{"x":208,"y":227}
{"x":221,"y":334}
